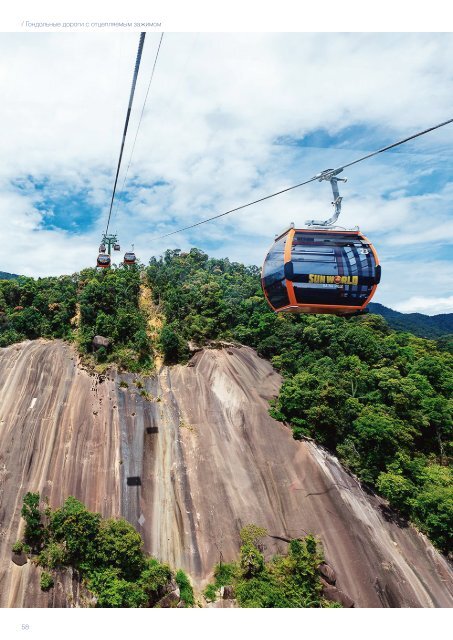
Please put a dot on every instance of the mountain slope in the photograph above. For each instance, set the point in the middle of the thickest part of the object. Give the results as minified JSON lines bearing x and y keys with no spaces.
{"x":209,"y":459}
{"x":417,"y":323}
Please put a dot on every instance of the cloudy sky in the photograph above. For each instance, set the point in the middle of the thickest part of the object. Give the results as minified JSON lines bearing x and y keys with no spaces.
{"x":229,"y":118}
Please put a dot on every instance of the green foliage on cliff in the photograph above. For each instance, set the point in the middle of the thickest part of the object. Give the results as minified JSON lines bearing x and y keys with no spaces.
{"x":109,"y":307}
{"x":107,"y":553}
{"x":32,"y":308}
{"x":46,"y":581}
{"x":185,"y":588}
{"x":378,"y":398}
{"x":34,"y":530}
{"x":284,"y":581}
{"x":202,"y":299}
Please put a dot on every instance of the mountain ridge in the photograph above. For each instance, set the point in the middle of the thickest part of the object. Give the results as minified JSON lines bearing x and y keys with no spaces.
{"x":419,"y":324}
{"x":4,"y":275}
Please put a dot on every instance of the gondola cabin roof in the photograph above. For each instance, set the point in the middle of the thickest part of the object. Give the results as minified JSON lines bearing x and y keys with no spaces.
{"x":320,"y":271}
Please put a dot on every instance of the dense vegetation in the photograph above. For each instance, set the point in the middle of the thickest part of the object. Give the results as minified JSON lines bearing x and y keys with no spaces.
{"x":32,"y":308}
{"x":79,"y":307}
{"x":380,"y":399}
{"x":107,"y":553}
{"x":110,"y":307}
{"x":286,"y":581}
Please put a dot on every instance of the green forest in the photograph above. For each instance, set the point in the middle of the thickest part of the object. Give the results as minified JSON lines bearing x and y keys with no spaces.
{"x":289,"y":581}
{"x":380,"y":399}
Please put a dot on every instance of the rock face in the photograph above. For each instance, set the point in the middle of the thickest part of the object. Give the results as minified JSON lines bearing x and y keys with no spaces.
{"x":218,"y":461}
{"x":189,"y":463}
{"x":51,"y":441}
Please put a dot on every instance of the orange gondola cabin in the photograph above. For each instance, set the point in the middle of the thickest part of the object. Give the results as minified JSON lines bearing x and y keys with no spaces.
{"x":320,"y":271}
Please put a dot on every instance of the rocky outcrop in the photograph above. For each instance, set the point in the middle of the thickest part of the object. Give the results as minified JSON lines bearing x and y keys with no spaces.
{"x":189,"y":459}
{"x":327,"y":573}
{"x":100,"y":341}
{"x":336,"y":595}
{"x":170,"y":600}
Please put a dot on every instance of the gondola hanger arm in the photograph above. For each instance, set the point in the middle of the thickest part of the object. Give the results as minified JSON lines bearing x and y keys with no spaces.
{"x":331,"y":176}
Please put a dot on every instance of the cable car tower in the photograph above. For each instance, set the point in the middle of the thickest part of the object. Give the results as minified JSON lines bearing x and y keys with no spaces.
{"x":108,"y":242}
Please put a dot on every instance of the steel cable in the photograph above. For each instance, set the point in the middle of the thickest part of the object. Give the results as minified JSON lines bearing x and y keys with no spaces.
{"x":316,"y":177}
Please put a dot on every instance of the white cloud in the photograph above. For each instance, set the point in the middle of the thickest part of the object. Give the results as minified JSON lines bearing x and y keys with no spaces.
{"x":429,"y":306}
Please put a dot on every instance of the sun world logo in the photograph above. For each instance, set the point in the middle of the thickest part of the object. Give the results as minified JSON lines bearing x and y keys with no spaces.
{"x":314,"y":278}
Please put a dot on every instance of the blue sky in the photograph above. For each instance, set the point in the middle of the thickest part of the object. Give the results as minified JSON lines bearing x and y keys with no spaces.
{"x":229,"y":118}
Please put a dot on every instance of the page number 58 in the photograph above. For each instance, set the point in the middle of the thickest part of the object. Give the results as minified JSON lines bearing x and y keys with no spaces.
{"x":25,"y":627}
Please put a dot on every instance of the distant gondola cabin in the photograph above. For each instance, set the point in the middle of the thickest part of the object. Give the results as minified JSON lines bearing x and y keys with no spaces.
{"x":103,"y":261}
{"x":320,"y":271}
{"x":129,"y":257}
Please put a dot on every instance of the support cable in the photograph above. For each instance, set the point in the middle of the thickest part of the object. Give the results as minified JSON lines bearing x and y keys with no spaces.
{"x":128,"y":114}
{"x":140,"y":121}
{"x":320,"y":176}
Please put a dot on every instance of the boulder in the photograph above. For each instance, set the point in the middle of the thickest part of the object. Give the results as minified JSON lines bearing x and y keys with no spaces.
{"x":332,"y":593}
{"x":327,"y":573}
{"x":100,"y":341}
{"x":170,"y":601}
